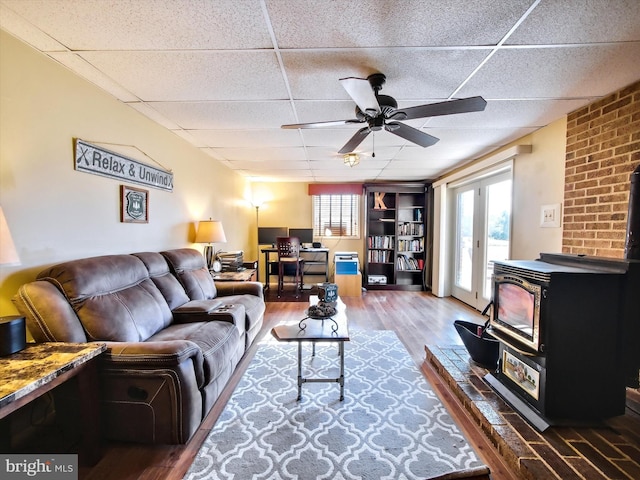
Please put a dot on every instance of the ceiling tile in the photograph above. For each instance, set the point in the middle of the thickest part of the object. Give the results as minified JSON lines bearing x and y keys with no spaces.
{"x":148,"y":25}
{"x":226,"y":115}
{"x":411,"y":73}
{"x":240,"y":138}
{"x":29,"y":33}
{"x":148,"y":110}
{"x":261,"y":154}
{"x":392,"y":23}
{"x":580,"y":21}
{"x":556,"y":72}
{"x":194,"y":75}
{"x":511,"y":114}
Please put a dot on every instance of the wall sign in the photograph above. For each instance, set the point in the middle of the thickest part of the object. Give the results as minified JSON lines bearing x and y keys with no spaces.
{"x":98,"y":161}
{"x":134,"y":205}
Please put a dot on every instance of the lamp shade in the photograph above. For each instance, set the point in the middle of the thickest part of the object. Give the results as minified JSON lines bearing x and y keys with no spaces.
{"x":8,"y":253}
{"x":210,"y":231}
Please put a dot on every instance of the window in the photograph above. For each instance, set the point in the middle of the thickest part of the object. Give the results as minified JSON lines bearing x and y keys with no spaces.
{"x":336,"y":215}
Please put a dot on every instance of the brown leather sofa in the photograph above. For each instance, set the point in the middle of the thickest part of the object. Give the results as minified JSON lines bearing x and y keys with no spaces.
{"x":174,"y":337}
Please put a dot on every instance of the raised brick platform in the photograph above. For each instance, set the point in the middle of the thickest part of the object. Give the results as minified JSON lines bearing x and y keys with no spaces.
{"x":611,"y":451}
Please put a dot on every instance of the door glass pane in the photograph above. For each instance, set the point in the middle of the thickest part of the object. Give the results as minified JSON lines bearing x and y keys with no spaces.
{"x":498,"y":228}
{"x":464,"y":250}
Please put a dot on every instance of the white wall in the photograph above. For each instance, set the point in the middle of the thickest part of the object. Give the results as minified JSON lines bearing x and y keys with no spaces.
{"x":56,"y":213}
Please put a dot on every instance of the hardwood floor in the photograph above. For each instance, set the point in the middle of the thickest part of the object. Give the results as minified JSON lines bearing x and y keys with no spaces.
{"x":418,"y":318}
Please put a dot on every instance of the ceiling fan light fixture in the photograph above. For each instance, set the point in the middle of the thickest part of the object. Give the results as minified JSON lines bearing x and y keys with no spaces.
{"x":351,"y":159}
{"x":380,"y":112}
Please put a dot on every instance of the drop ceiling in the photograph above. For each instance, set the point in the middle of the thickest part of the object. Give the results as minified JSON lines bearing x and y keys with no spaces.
{"x":226,"y":74}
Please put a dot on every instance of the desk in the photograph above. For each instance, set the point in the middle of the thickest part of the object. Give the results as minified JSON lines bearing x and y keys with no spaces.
{"x":247,"y":275}
{"x":312,"y":257}
{"x":40,"y":367}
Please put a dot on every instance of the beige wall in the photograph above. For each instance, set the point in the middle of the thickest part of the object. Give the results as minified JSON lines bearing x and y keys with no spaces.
{"x":289,"y":205}
{"x":538,"y":179}
{"x":56,"y":213}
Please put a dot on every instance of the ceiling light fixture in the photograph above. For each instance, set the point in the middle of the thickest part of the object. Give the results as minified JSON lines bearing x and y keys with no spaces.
{"x":351,"y":159}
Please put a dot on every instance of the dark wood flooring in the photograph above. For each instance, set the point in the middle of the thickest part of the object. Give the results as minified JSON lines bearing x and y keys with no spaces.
{"x":418,"y":318}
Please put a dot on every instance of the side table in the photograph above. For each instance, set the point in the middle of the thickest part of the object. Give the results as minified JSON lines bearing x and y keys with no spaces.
{"x":40,"y":367}
{"x":247,"y":275}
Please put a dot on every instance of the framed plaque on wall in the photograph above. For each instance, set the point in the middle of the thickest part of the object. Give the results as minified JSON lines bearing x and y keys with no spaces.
{"x":134,"y":205}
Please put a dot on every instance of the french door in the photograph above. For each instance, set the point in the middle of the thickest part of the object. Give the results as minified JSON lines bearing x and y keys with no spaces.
{"x":482,"y":235}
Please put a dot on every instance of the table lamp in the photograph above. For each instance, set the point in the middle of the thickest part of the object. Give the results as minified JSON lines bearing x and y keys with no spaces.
{"x":210,"y":232}
{"x":13,"y":334}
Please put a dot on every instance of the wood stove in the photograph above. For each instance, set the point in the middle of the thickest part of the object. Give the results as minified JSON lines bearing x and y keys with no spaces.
{"x":568,"y":328}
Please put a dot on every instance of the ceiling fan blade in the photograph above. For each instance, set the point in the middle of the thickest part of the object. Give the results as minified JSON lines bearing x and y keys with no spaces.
{"x":462,"y":105}
{"x":334,"y":123}
{"x":412,"y":134}
{"x":355,"y":140}
{"x":359,"y":89}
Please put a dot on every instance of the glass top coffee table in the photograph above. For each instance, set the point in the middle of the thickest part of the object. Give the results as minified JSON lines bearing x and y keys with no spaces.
{"x":329,"y":329}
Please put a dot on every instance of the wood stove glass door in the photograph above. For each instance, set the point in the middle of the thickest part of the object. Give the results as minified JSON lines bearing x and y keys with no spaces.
{"x":482,"y":235}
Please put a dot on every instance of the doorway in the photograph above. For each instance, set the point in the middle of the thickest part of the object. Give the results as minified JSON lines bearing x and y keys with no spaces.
{"x":482,"y":234}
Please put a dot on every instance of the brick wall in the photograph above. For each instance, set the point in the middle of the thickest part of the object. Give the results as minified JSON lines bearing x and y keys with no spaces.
{"x":603,"y":149}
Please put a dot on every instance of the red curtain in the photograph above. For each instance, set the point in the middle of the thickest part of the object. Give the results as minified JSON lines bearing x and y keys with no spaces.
{"x":335,"y":188}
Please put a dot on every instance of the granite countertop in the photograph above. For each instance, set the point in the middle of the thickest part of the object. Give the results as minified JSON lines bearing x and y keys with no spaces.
{"x":38,"y":364}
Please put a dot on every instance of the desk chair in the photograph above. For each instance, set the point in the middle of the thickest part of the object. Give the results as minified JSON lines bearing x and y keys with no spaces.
{"x":289,"y":256}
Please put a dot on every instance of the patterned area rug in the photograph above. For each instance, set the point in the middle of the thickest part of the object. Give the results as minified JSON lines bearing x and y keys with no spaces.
{"x":390,"y":425}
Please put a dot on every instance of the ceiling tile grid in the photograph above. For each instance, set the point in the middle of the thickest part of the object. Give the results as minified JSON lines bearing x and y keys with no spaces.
{"x":226,"y":75}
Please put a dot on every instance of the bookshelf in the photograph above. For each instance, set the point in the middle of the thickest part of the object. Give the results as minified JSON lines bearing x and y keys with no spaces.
{"x":397,"y":237}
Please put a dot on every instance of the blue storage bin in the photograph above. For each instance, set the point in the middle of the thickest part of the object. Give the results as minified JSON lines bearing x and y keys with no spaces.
{"x":347,"y":267}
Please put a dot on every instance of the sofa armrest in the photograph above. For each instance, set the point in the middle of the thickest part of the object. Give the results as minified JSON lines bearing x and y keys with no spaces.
{"x":195,"y":311}
{"x":154,"y":355}
{"x":211,"y":310}
{"x":240,"y":288}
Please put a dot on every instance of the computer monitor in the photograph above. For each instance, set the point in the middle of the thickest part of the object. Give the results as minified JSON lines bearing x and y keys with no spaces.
{"x":268,"y":235}
{"x":304,"y":234}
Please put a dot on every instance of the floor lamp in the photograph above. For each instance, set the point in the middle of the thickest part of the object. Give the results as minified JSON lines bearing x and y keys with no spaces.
{"x":257,"y":205}
{"x":210,"y":232}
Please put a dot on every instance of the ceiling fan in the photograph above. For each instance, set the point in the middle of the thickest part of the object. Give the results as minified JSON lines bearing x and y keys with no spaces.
{"x":382,"y":112}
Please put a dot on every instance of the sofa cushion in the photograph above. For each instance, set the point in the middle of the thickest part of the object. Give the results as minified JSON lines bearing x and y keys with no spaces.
{"x":158,"y":269}
{"x":217,"y":341}
{"x":189,"y":267}
{"x":253,"y":306}
{"x":113,"y":297}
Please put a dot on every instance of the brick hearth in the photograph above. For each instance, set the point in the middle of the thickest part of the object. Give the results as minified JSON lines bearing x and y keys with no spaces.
{"x":611,"y":451}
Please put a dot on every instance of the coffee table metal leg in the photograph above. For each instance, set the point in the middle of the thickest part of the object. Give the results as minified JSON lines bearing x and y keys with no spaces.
{"x":299,"y":371}
{"x":341,"y":380}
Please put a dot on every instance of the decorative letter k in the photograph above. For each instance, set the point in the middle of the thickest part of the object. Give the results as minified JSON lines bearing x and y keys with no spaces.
{"x":379,"y":204}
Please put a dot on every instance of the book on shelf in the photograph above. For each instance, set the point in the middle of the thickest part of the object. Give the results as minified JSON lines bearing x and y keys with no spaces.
{"x":413,"y":245}
{"x":381,"y":241}
{"x":408,"y":228}
{"x":380,"y":256}
{"x":405,"y":262}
